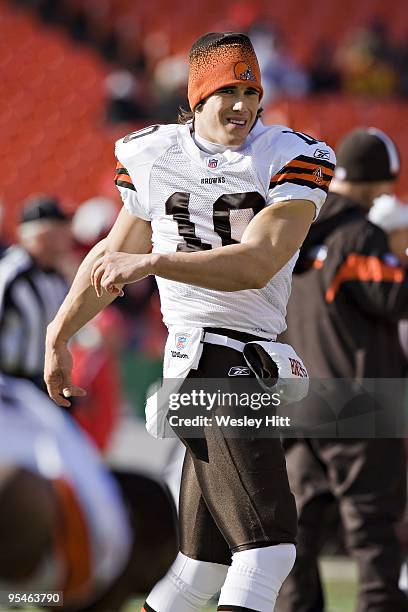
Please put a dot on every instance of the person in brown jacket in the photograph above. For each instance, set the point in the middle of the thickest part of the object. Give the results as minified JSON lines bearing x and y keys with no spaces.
{"x":348,"y":295}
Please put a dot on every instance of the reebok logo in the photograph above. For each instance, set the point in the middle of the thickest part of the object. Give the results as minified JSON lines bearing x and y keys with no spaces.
{"x":322,"y":154}
{"x":239,"y":371}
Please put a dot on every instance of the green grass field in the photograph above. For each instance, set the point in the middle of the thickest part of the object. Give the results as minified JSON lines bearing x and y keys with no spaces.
{"x":339,"y":576}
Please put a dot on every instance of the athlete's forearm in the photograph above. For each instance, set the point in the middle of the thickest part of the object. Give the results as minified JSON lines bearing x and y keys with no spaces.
{"x":81,"y":303}
{"x":129,"y":235}
{"x":269,"y":241}
{"x":230,"y":268}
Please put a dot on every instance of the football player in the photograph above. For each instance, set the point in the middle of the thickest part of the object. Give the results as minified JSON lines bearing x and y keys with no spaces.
{"x":67,"y":523}
{"x":226,"y":203}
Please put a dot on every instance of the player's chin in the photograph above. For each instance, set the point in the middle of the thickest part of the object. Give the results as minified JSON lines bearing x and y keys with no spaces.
{"x":236,"y":134}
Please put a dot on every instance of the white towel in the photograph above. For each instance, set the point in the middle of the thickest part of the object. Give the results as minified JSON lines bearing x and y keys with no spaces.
{"x":182,"y":353}
{"x":293,"y":381}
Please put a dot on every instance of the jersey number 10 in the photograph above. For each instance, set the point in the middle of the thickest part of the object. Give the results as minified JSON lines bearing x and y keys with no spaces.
{"x":177,"y":206}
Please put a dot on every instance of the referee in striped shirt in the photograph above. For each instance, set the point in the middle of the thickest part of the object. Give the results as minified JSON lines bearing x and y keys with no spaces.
{"x":32,"y":287}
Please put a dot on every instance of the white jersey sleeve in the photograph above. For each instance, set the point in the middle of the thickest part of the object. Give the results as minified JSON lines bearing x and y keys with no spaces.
{"x":128,"y":193}
{"x":302,"y":169}
{"x":136,"y":156}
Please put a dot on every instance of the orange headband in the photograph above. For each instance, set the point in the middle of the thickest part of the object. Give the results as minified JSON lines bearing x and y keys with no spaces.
{"x":218,"y":60}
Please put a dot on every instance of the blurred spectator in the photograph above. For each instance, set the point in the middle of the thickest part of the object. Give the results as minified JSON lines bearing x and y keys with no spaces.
{"x":170,"y":82}
{"x":127,"y":29}
{"x":96,"y":353}
{"x":128,"y":334}
{"x":324,"y":76}
{"x":156,"y":46}
{"x":123,"y":98}
{"x":96,"y":348}
{"x":382,"y":44}
{"x":347,"y":297}
{"x":33,"y":286}
{"x":365,"y":63}
{"x":391,"y":215}
{"x":403,"y":69}
{"x":281,"y":76}
{"x":92,"y":221}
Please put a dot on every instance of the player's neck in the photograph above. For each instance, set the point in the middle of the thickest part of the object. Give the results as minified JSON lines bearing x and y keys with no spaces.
{"x":210,"y":147}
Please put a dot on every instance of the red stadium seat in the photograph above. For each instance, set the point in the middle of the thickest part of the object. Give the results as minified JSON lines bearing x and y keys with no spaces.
{"x":52,"y":96}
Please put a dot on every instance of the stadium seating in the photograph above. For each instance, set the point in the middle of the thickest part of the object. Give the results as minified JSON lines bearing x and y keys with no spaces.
{"x":51,"y":114}
{"x":302,"y":28}
{"x":54,"y":137}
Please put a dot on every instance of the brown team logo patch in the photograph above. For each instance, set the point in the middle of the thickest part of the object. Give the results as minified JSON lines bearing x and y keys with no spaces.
{"x":243,"y":72}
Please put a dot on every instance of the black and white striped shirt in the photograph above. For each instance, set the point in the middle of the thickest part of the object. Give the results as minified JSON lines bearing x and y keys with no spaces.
{"x":29,"y":300}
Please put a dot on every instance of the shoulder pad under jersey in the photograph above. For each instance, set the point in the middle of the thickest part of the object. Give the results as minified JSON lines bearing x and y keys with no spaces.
{"x":280,"y":144}
{"x":146,"y":145}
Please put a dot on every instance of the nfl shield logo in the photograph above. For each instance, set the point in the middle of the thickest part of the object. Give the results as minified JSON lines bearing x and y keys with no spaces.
{"x":181,"y":341}
{"x":212,"y":163}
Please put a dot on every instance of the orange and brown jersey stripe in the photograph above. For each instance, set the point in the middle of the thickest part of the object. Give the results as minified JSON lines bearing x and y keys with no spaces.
{"x":72,"y":541}
{"x":363,"y":268}
{"x":305,"y":171}
{"x":122,"y":178}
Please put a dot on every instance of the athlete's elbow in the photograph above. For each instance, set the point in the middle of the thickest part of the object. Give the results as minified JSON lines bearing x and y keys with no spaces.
{"x":256,"y":269}
{"x":261,"y":282}
{"x":257,"y":279}
{"x":261,"y":273}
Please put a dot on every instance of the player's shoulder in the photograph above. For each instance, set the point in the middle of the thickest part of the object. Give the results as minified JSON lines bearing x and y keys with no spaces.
{"x":280,"y":141}
{"x":147,"y":144}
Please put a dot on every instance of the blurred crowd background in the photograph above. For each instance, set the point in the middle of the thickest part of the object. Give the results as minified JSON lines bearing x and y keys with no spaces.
{"x":78,"y":74}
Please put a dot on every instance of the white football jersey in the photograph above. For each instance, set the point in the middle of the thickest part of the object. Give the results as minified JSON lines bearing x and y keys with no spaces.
{"x":197,"y":201}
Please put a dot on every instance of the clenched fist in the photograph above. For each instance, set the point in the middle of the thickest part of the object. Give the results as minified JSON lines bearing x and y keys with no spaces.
{"x":114,"y":270}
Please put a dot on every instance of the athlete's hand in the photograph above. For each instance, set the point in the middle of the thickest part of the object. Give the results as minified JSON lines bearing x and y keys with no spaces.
{"x":58,"y":374}
{"x":114,"y":270}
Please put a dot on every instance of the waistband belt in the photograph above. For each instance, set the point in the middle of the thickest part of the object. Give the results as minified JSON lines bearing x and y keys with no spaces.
{"x":210,"y":338}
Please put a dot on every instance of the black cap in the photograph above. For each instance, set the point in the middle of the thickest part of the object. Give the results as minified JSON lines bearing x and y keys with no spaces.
{"x":41,"y":207}
{"x":367,"y":155}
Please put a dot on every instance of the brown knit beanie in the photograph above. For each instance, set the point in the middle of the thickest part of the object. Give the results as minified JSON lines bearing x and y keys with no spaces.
{"x":221,"y":59}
